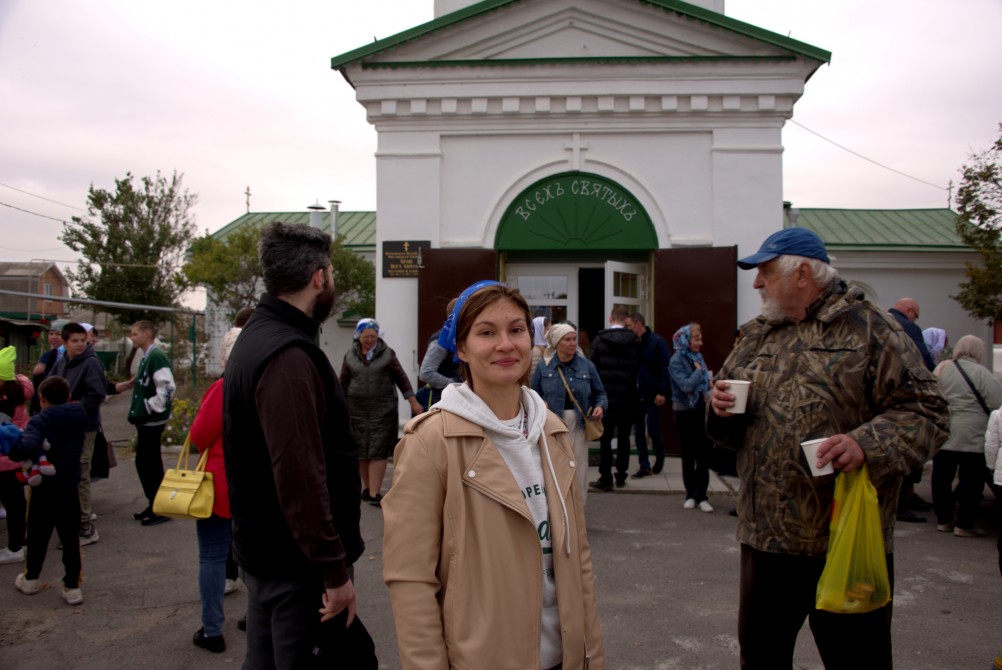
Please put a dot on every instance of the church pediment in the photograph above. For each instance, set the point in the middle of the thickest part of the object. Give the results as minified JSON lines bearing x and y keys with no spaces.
{"x":561,"y":30}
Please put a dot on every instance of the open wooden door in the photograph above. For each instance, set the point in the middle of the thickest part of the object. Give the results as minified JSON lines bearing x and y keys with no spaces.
{"x":697,"y":284}
{"x":443,"y":275}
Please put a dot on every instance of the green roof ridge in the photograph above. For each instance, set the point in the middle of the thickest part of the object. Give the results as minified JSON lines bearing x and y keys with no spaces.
{"x":677,"y":6}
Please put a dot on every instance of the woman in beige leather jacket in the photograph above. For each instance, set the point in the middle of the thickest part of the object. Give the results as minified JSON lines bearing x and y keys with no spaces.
{"x":485,"y":547}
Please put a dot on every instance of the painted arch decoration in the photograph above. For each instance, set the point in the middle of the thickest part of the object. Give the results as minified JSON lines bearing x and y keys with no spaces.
{"x":575,"y":211}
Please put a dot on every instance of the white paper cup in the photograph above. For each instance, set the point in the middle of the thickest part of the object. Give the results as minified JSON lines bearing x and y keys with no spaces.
{"x":810,"y":448}
{"x":740,"y":391}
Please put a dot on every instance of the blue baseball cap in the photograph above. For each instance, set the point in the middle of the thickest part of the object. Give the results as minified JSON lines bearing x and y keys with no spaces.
{"x":787,"y":242}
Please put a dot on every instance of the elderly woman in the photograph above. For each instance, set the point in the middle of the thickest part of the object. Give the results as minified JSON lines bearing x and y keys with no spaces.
{"x":972,"y":391}
{"x":690,"y":382}
{"x":570,"y":386}
{"x":368,"y":375}
{"x":485,"y":549}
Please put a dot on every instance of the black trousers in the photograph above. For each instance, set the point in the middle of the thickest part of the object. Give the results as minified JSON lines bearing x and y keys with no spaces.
{"x":149,"y":462}
{"x":12,"y":498}
{"x":54,"y":504}
{"x":969,"y":469}
{"x":284,"y":629}
{"x":690,"y":424}
{"x":778,"y":593}
{"x":617,"y":421}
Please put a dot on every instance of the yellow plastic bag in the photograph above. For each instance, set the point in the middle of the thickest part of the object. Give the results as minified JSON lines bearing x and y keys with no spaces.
{"x":855,"y":576}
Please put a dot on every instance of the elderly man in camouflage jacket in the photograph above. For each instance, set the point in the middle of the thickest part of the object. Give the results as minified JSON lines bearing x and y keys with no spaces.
{"x":822,"y":362}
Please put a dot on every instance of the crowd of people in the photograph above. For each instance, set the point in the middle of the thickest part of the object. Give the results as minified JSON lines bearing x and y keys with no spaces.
{"x":485,"y":548}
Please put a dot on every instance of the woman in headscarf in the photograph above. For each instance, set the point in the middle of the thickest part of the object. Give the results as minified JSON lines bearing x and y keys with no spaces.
{"x":485,"y":549}
{"x":972,"y":391}
{"x":690,"y":382}
{"x":563,"y":368}
{"x":935,"y":340}
{"x":540,"y":325}
{"x":368,"y":376}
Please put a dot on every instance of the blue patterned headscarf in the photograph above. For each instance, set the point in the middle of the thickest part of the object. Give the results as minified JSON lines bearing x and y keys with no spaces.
{"x":365,"y":324}
{"x":447,"y":338}
{"x":680,"y":340}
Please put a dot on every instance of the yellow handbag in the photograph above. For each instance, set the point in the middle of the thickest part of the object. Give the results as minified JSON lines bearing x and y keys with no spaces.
{"x":184,"y":493}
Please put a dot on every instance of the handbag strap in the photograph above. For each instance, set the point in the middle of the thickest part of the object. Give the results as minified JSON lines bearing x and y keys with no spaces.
{"x":182,"y":458}
{"x":573,"y":399}
{"x":981,"y":401}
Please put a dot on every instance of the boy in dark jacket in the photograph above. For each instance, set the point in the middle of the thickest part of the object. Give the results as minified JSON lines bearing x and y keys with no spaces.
{"x":54,"y":503}
{"x":84,"y":373}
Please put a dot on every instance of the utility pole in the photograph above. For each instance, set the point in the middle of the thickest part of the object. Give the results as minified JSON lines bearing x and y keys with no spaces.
{"x":248,"y":194}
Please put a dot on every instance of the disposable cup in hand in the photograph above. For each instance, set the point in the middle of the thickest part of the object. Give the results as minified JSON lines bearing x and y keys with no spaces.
{"x":810,"y":448}
{"x":740,"y":391}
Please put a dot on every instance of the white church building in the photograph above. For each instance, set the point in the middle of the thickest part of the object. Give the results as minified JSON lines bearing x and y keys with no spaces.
{"x":593,"y":153}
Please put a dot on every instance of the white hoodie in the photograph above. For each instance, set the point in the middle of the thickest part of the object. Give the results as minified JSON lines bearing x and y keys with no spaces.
{"x":525,"y":457}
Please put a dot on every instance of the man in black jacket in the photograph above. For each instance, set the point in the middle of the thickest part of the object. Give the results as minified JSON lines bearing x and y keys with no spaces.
{"x":88,"y":385}
{"x":615,"y":352}
{"x":654,"y":385}
{"x":292,"y":466}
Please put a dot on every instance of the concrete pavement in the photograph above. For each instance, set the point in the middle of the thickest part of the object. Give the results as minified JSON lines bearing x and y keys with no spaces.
{"x":667,"y":588}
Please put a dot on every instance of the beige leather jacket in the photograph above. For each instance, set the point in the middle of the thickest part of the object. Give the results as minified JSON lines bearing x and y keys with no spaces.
{"x":462,"y":555}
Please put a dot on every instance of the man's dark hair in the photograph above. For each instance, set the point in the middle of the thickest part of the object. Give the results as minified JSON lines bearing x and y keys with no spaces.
{"x":55,"y":390}
{"x":637,"y":317}
{"x":148,"y":327}
{"x":290,"y":254}
{"x":243,"y":316}
{"x":72,"y":328}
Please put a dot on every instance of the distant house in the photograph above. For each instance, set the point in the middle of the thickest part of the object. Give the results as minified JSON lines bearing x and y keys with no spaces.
{"x":22,"y":318}
{"x":359,"y":231}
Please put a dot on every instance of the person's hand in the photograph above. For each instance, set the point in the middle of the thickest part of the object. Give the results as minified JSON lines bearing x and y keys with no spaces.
{"x":338,"y":599}
{"x":416,"y":407}
{"x":720,"y":399}
{"x":598,"y":413}
{"x":124,"y":386}
{"x":841,"y":451}
{"x":698,"y":365}
{"x":659,"y":400}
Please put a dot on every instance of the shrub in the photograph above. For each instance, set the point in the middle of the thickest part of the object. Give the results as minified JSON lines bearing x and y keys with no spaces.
{"x":183,"y":412}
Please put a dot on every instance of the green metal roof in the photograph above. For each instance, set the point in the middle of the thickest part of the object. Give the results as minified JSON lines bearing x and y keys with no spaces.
{"x":358,"y":228}
{"x":675,"y":6}
{"x":884,"y":229}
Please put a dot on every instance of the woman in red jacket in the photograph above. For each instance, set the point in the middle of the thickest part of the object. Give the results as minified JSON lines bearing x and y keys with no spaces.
{"x":214,"y":533}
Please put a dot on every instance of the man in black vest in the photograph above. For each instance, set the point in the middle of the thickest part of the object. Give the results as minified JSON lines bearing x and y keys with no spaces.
{"x":292,"y":467}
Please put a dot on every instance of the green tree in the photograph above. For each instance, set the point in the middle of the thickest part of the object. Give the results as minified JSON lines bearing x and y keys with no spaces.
{"x":133,"y":254}
{"x":230,"y":268}
{"x":354,"y":281}
{"x":979,"y":225}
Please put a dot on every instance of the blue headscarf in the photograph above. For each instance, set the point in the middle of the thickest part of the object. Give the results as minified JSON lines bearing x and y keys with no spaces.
{"x":365,"y":324}
{"x":447,"y":338}
{"x":680,"y":340}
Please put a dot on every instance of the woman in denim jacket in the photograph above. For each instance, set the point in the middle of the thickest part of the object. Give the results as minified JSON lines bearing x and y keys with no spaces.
{"x":582,"y":377}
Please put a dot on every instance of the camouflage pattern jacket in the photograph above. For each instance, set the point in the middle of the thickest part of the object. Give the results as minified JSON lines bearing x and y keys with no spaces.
{"x":847,"y":368}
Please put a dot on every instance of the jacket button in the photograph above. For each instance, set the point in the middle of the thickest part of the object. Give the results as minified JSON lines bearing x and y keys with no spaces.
{"x":571,"y":463}
{"x":472,"y":474}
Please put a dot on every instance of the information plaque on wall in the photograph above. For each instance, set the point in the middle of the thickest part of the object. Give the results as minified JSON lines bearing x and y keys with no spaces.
{"x":402,"y":259}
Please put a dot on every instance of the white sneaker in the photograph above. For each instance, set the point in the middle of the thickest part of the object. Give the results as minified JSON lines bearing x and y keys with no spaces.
{"x":231,"y":586}
{"x":72,"y":596}
{"x":689,"y":504}
{"x":706,"y":506}
{"x":28,"y":587}
{"x":93,"y":516}
{"x":8,"y":556}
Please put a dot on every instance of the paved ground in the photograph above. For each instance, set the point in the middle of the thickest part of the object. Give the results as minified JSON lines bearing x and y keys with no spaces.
{"x":667,"y":586}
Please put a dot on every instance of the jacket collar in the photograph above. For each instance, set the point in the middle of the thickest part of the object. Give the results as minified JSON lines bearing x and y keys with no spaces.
{"x":281,"y":310}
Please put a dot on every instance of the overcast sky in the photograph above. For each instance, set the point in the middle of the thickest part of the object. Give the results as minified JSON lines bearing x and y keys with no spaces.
{"x":238,"y":93}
